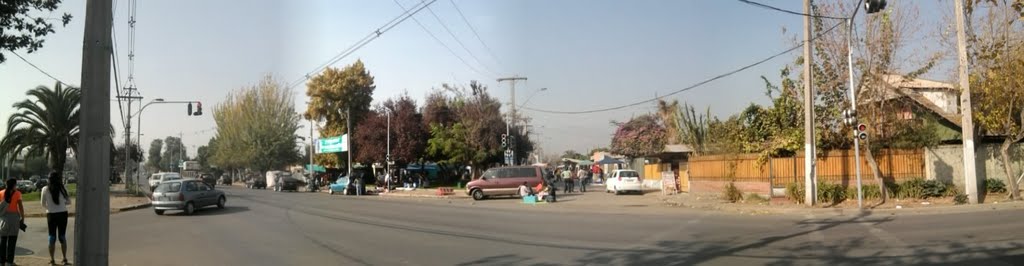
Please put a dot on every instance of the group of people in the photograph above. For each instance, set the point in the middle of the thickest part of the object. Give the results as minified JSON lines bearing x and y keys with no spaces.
{"x":405,"y":178}
{"x":55,"y":199}
{"x":577,"y":177}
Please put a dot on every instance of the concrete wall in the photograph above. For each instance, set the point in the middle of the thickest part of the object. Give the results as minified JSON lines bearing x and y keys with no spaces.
{"x":945,"y":163}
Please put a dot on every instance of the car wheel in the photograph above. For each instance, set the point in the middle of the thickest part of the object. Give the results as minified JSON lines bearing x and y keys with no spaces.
{"x":159,"y":212}
{"x":220,"y":202}
{"x":478,"y":194}
{"x":190,"y":208}
{"x":331,"y":192}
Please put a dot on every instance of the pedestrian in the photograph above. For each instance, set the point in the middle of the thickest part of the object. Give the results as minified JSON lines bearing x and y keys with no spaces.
{"x":549,"y":185}
{"x":55,"y":200}
{"x":566,"y":180}
{"x":525,"y":190}
{"x":580,"y":176}
{"x":10,"y":221}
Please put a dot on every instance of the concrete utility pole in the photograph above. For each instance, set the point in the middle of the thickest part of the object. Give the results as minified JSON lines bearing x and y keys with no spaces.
{"x":512,"y":115}
{"x":312,"y":171}
{"x":853,"y":107}
{"x":970,"y":172}
{"x":128,"y":137}
{"x":92,"y":223}
{"x":809,"y":189}
{"x":348,"y":138}
{"x":387,"y":163}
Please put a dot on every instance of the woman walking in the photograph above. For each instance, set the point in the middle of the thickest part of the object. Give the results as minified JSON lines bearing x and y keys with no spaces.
{"x":55,"y":200}
{"x":10,"y":221}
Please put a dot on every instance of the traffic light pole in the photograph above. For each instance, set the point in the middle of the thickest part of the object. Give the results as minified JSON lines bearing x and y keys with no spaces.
{"x":853,"y":107}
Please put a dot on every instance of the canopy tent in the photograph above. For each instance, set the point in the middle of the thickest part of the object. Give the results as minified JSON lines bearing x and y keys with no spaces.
{"x":316,"y":168}
{"x":578,"y":162}
{"x":609,"y":160}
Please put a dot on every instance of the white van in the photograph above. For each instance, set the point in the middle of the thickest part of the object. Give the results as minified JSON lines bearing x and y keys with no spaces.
{"x":157,"y":178}
{"x":272,"y":178}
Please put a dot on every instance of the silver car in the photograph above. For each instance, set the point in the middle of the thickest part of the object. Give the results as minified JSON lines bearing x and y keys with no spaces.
{"x":187,"y":195}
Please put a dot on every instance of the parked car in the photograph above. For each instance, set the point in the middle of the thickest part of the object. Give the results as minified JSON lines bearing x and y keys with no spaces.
{"x":26,"y":186}
{"x":624,"y":181}
{"x":41,"y":183}
{"x":225,"y":180}
{"x":158,"y":178}
{"x":257,"y":183}
{"x":504,"y":181}
{"x":187,"y":195}
{"x":209,"y":180}
{"x":344,"y":186}
{"x":289,"y":183}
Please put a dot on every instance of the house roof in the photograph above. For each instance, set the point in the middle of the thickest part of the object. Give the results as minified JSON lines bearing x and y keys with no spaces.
{"x":897,"y":86}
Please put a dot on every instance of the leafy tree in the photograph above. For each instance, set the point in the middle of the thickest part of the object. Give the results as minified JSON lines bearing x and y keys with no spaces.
{"x":46,"y":125}
{"x":118,"y":161}
{"x":174,"y":153}
{"x":475,"y":138}
{"x":408,"y":134}
{"x":999,"y":99}
{"x":640,"y":136}
{"x":436,"y":110}
{"x":21,"y":28}
{"x":256,"y":128}
{"x":155,"y":158}
{"x":331,"y":93}
{"x":372,"y":138}
{"x":571,"y":154}
{"x":668,"y":112}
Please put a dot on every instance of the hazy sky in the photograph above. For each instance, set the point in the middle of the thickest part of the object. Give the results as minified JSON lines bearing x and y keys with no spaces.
{"x":590,"y":54}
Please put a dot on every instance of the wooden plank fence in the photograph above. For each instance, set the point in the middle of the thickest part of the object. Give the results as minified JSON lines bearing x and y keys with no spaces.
{"x":835,"y":167}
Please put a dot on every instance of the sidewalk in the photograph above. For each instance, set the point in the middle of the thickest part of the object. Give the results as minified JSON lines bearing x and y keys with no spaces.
{"x":457,"y":193}
{"x":778,"y":206}
{"x":120,"y":201}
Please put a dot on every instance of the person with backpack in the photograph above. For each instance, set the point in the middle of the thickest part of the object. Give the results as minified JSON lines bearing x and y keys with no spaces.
{"x":11,"y":221}
{"x":55,"y":200}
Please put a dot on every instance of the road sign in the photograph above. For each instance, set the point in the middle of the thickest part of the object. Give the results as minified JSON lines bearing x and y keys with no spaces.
{"x":333,"y":144}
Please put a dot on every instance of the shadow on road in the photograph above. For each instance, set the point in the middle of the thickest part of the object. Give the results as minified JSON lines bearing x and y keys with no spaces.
{"x":20,"y":251}
{"x":864,"y":249}
{"x":213,"y":211}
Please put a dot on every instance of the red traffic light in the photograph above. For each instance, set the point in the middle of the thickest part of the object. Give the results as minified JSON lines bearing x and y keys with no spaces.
{"x":862,"y":127}
{"x":199,"y":109}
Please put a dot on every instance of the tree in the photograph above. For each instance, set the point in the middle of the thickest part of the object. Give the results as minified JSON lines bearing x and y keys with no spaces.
{"x":999,"y":99}
{"x":372,"y":138}
{"x":45,"y":125}
{"x":668,"y":113}
{"x":571,"y":154}
{"x":118,"y":153}
{"x":408,"y":134}
{"x":21,"y":29}
{"x":474,"y":139}
{"x":174,"y":153}
{"x":256,"y":128}
{"x":331,"y":93}
{"x":436,"y":110}
{"x":641,"y":136}
{"x":155,"y":158}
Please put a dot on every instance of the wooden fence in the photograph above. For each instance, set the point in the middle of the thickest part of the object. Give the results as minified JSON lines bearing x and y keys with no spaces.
{"x":835,"y":167}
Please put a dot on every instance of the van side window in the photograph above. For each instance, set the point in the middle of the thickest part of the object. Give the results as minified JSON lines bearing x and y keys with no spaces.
{"x":525,"y":172}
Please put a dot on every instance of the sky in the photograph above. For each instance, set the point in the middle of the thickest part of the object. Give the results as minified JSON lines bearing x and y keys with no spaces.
{"x":588,"y":54}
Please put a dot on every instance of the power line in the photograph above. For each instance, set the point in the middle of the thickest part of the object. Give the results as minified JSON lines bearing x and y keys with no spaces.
{"x":363,"y":42}
{"x":473,"y":29}
{"x":694,"y":86}
{"x":457,"y":40}
{"x":786,"y":11}
{"x":443,"y":44}
{"x":40,"y":69}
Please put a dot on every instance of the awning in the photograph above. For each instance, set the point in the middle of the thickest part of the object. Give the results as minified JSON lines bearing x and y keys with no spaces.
{"x":609,"y":160}
{"x":316,"y":168}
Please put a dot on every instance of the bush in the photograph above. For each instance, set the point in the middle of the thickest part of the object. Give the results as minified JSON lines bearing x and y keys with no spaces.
{"x":831,"y":193}
{"x":911,"y":189}
{"x":870,"y":192}
{"x":731,"y":193}
{"x":933,"y":189}
{"x":993,"y":185}
{"x":795,"y":192}
{"x":960,"y":199}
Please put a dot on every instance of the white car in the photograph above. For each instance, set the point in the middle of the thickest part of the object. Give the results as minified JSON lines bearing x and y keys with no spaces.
{"x":624,"y":181}
{"x":157,"y":178}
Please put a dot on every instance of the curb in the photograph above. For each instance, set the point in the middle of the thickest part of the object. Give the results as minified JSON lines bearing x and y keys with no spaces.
{"x":112,"y":210}
{"x":421,"y":196}
{"x":953,"y":209}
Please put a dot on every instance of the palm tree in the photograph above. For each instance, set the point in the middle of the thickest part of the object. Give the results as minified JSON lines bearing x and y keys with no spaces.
{"x":46,"y":125}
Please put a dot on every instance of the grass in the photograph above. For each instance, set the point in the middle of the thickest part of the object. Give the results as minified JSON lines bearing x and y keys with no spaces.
{"x":34,"y":196}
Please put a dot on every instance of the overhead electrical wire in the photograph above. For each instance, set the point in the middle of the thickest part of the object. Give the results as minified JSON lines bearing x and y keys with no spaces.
{"x":40,"y":69}
{"x":450,"y":50}
{"x":473,"y":29}
{"x":114,"y":62}
{"x":694,"y":86}
{"x":459,"y":41}
{"x":786,"y":11}
{"x":363,"y":42}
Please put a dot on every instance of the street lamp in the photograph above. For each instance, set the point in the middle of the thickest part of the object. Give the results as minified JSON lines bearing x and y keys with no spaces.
{"x":531,"y":97}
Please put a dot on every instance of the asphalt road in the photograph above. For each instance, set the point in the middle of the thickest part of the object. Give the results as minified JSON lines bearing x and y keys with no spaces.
{"x":262,"y":227}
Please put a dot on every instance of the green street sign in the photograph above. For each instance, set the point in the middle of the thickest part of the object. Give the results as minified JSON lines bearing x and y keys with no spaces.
{"x":333,"y":144}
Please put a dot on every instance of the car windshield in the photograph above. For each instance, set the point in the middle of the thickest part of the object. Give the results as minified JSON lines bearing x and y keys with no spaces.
{"x":169,"y":187}
{"x":629,"y":174}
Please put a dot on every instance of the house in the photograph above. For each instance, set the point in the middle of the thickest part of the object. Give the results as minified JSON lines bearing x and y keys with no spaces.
{"x":925,"y":100}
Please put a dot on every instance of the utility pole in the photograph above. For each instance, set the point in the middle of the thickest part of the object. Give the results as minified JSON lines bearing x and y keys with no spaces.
{"x":967,"y":130}
{"x":348,"y":138}
{"x":809,"y":189}
{"x":853,"y":108}
{"x":312,"y":171}
{"x":128,"y":136}
{"x":387,"y":162}
{"x":92,"y":222}
{"x":512,"y":119}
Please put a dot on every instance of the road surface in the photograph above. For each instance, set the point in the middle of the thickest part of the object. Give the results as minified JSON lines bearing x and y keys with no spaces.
{"x":261,"y":227}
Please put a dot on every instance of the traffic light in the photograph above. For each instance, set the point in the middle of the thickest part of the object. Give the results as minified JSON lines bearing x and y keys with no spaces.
{"x":504,"y":141}
{"x":873,"y":6}
{"x":850,"y":117}
{"x":199,"y":109}
{"x":190,"y":109}
{"x":862,"y":131}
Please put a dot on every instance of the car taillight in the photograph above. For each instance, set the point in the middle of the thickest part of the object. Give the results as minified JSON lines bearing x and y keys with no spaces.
{"x":181,"y":197}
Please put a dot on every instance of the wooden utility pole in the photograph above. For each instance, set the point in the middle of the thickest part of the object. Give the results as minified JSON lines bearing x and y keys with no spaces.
{"x":967,"y":128}
{"x":809,"y":189}
{"x":92,"y":222}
